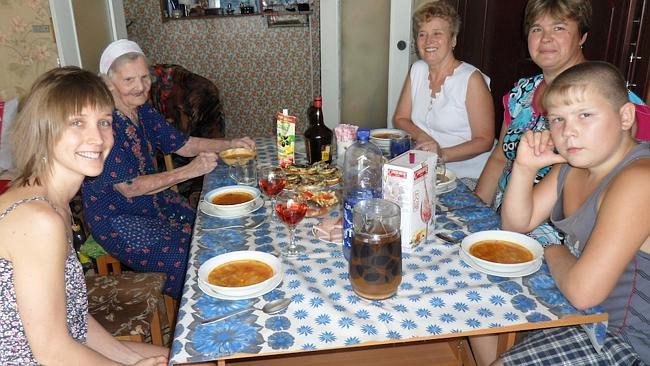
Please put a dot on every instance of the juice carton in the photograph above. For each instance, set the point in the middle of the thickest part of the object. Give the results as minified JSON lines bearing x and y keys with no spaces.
{"x":286,"y":132}
{"x":409,"y":181}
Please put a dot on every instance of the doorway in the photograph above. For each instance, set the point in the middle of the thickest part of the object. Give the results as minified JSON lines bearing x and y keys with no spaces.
{"x":80,"y":40}
{"x":365,"y":56}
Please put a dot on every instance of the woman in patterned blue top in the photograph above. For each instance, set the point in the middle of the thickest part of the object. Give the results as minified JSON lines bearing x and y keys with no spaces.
{"x":556,"y":31}
{"x":129,"y":208}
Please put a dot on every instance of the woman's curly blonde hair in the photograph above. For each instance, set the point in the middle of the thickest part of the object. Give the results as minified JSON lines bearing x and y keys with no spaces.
{"x":436,"y":9}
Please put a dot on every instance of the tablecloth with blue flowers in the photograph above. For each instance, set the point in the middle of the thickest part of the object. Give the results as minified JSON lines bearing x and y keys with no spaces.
{"x":439,"y":294}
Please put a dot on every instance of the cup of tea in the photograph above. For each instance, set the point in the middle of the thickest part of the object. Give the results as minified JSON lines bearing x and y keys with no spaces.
{"x":244,"y":172}
{"x":375,"y":265}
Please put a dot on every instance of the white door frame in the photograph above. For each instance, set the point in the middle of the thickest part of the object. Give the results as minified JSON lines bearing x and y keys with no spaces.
{"x":330,"y":60}
{"x":331,"y":57}
{"x":398,"y":60}
{"x":67,"y":43}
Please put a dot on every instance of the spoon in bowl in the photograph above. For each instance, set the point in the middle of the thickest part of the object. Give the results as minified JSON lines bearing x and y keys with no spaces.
{"x":271,"y":307}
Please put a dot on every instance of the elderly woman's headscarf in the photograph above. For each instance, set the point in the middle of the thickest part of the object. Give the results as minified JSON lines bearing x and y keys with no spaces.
{"x":115,"y":50}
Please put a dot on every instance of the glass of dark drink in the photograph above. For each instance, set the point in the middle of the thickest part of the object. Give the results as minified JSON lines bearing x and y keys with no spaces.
{"x":271,"y":180}
{"x":399,"y":145}
{"x":375,"y":265}
{"x":291,"y":208}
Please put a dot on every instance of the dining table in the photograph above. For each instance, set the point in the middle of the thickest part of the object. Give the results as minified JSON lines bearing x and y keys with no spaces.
{"x":440,"y":297}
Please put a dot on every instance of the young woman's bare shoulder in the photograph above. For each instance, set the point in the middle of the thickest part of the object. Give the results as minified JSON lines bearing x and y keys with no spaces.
{"x":31,"y":226}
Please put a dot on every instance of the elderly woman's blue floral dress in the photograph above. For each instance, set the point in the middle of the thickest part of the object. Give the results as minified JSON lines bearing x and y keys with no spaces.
{"x":149,"y":233}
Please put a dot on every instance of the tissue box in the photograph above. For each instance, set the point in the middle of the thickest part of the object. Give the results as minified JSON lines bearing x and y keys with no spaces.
{"x":409,"y":181}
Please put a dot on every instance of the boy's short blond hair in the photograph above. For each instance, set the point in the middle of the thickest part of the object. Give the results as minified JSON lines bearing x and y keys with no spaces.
{"x":43,"y":116}
{"x":596,"y":76}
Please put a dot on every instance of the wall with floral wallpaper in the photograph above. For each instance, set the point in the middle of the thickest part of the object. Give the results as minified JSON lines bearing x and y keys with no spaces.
{"x":27,"y":47}
{"x":258,"y":70}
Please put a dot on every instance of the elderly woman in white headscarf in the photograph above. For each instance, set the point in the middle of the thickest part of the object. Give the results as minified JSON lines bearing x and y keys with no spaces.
{"x":129,"y":208}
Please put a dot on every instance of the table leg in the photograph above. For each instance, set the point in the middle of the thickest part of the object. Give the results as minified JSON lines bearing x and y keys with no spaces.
{"x":462,"y":352}
{"x":465,"y":353}
{"x":506,"y":341}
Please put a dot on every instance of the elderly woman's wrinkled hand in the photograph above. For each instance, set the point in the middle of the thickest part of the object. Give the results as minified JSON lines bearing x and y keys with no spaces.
{"x":245,"y":142}
{"x":202,"y":164}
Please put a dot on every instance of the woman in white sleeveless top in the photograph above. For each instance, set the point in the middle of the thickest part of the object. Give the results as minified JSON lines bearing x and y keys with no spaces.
{"x":446,"y":104}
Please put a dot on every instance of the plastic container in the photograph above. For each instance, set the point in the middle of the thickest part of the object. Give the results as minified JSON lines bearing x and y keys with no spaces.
{"x":362,"y":171}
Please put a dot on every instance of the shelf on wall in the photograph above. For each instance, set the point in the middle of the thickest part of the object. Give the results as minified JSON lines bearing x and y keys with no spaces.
{"x":277,"y":19}
{"x":209,"y":16}
{"x":211,"y":13}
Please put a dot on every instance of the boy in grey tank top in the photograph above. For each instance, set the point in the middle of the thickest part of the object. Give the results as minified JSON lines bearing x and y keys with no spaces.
{"x":597,"y":194}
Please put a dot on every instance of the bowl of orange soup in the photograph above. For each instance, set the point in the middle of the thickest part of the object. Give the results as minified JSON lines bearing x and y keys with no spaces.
{"x":232,"y":199}
{"x":241,"y":273}
{"x":239,"y":155}
{"x":501,"y":250}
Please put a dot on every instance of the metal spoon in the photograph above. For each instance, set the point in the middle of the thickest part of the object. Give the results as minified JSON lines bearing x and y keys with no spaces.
{"x":448,"y":238}
{"x":249,"y":226}
{"x":271,"y":307}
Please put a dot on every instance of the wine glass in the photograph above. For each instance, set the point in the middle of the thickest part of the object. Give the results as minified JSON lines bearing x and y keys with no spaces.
{"x":291,"y":207}
{"x":272,"y":181}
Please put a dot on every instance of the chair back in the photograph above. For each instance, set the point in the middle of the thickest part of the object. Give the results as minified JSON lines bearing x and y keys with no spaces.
{"x":187,"y":100}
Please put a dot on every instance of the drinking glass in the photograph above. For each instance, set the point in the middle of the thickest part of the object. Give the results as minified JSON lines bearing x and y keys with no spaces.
{"x":272,"y":181}
{"x":243,"y":171}
{"x":441,"y":170}
{"x":291,"y":208}
{"x":399,"y":145}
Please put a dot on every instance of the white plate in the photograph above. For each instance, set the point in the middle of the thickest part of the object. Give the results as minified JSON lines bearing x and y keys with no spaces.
{"x":231,"y":209}
{"x":242,"y":292}
{"x":534,"y":267}
{"x":210,"y":211}
{"x":449,"y":185}
{"x":517,"y":238}
{"x":210,"y":292}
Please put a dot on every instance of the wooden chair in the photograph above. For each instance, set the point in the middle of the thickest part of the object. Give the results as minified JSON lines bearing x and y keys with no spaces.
{"x":191,"y":103}
{"x":128,"y":304}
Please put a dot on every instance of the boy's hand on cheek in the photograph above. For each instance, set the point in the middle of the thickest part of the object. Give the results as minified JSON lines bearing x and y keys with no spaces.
{"x":535,"y":151}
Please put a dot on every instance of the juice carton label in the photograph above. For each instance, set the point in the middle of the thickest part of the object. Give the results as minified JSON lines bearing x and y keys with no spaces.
{"x":409,"y":181}
{"x":286,"y":133}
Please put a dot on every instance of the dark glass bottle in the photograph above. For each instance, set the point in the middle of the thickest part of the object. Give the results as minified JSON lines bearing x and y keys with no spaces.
{"x":318,"y":138}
